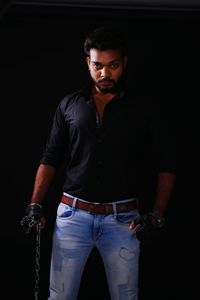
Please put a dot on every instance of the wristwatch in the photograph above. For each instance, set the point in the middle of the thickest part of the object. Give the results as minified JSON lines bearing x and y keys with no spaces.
{"x":158,"y":220}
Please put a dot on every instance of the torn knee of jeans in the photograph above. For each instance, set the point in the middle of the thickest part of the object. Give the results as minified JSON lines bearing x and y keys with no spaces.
{"x":126,"y":253}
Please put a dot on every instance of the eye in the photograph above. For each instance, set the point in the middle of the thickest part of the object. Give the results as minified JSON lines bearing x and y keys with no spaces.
{"x":114,"y":65}
{"x":97,"y":66}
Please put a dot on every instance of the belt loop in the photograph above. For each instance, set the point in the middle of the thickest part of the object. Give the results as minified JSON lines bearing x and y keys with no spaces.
{"x":74,"y":203}
{"x":114,"y":209}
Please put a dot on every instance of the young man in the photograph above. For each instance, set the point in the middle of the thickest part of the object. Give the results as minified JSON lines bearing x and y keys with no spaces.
{"x":101,"y":133}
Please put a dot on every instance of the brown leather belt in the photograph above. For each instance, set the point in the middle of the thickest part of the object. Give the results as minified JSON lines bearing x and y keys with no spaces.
{"x":100,"y":208}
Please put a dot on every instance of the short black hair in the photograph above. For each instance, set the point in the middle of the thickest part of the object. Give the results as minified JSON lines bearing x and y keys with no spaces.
{"x":105,"y":38}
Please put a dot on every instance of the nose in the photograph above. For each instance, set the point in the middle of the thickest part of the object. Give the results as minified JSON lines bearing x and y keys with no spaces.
{"x":105,"y":72}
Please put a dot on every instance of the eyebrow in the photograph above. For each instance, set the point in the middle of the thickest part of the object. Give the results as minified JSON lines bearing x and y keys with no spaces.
{"x":111,"y":62}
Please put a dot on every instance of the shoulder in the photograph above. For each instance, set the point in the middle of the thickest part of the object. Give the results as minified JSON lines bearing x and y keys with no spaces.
{"x":68,"y":101}
{"x":70,"y":97}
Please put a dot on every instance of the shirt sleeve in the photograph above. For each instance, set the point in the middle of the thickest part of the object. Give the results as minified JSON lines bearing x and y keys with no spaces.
{"x":57,"y":143}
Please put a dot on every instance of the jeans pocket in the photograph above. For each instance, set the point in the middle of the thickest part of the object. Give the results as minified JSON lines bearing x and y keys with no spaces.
{"x":64,"y":211}
{"x":127,"y":217}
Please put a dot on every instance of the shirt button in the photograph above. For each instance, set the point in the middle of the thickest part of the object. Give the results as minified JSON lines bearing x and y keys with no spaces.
{"x":99,"y":163}
{"x":99,"y":141}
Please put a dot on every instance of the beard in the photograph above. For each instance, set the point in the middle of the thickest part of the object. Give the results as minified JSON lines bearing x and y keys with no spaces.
{"x":106,"y":86}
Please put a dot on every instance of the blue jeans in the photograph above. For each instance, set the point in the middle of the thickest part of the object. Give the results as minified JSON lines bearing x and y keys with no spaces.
{"x":76,"y":233}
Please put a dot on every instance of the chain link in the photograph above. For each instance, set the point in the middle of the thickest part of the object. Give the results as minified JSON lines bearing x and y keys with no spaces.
{"x":37,"y":262}
{"x":28,"y":223}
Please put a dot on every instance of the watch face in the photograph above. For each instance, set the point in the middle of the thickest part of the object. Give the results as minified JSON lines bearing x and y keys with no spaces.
{"x":160,"y":222}
{"x":157,"y":221}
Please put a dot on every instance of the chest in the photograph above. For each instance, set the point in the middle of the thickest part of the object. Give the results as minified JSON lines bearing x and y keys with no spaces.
{"x":113,"y":120}
{"x":100,"y":103}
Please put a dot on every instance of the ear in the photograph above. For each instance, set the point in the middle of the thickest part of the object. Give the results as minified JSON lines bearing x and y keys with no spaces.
{"x":88,"y":61}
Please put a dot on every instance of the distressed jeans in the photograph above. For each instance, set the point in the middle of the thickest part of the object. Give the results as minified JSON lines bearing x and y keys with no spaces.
{"x":76,"y":233}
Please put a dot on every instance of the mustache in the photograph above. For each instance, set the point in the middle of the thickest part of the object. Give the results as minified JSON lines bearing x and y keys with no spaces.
{"x":105,"y":80}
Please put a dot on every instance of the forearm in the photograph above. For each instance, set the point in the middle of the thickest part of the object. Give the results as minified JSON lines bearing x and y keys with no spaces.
{"x":165,"y":186}
{"x":43,"y":179}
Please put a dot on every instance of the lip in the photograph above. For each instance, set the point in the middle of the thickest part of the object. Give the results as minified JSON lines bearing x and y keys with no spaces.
{"x":106,"y":83}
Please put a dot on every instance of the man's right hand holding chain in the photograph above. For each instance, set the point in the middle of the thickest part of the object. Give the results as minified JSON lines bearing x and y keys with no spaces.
{"x":33,"y":217}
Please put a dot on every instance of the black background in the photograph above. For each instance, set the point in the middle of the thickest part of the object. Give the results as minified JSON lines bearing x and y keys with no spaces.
{"x":42,"y":60}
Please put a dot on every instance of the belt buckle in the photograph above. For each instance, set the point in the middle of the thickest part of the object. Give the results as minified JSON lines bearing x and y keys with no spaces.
{"x":92,"y":206}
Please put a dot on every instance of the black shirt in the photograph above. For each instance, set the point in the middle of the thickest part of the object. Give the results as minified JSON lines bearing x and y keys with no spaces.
{"x":103,"y":161}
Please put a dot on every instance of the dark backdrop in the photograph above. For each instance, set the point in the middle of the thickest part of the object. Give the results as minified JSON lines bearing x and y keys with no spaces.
{"x":41,"y":61}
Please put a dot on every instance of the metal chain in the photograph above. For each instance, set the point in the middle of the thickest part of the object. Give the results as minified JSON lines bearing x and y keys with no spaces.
{"x":28,"y":223}
{"x":37,"y":262}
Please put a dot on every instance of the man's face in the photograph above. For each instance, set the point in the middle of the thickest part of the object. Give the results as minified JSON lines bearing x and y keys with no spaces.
{"x":106,"y":69}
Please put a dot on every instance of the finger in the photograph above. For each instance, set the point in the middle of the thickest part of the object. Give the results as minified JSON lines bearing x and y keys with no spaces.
{"x":132,"y":225}
{"x":42,"y":222}
{"x":136,"y":224}
{"x":135,"y":227}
